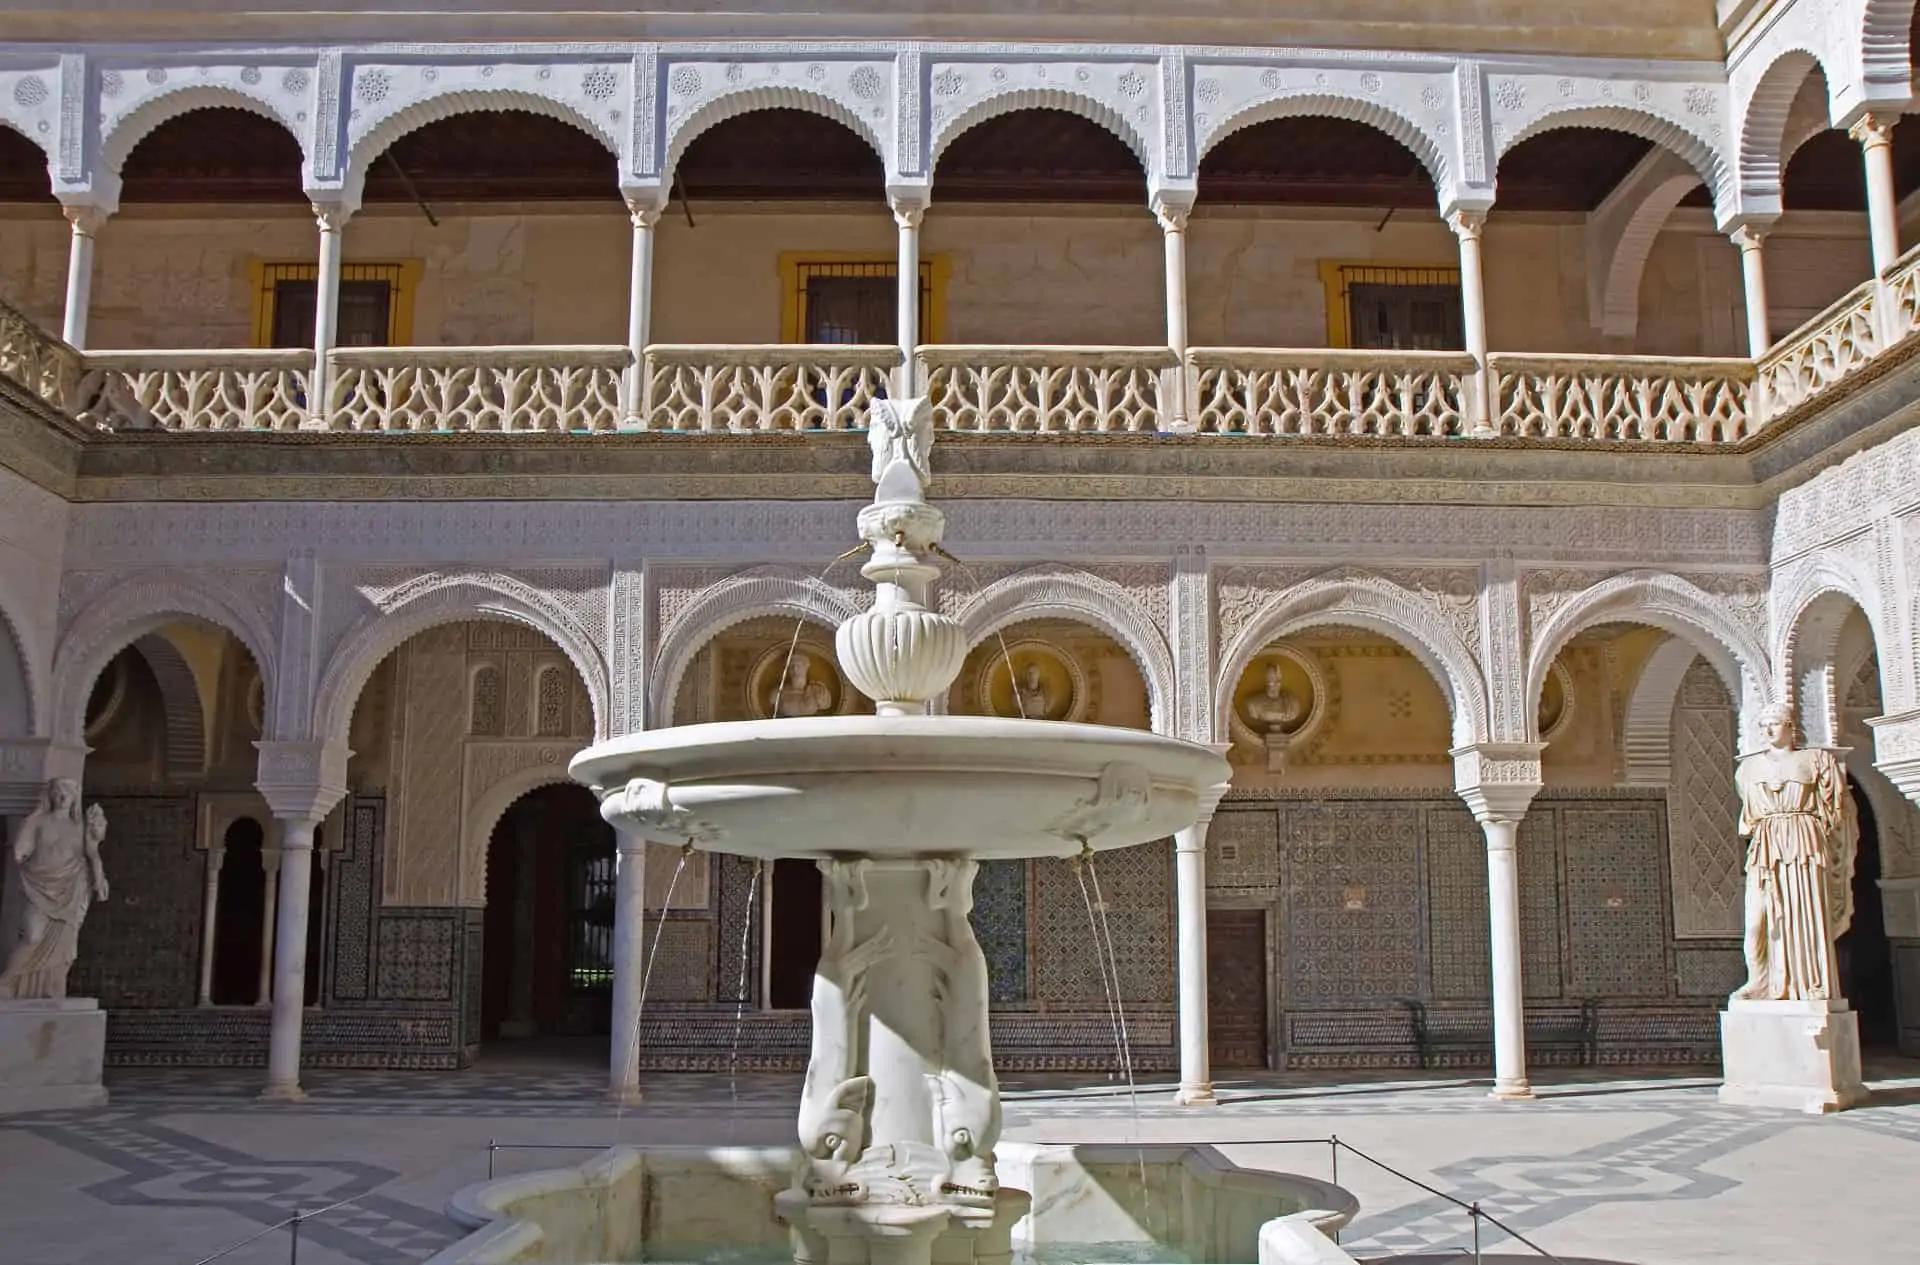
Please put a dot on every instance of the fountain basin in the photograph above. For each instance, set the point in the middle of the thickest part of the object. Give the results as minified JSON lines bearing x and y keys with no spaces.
{"x":717,"y":1205}
{"x":902,"y":786}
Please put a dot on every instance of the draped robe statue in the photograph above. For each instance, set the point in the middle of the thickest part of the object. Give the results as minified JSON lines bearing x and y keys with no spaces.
{"x":57,"y":864}
{"x":1797,"y":815}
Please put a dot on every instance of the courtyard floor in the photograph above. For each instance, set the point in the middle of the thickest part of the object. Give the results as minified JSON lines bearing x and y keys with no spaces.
{"x":1603,"y":1167}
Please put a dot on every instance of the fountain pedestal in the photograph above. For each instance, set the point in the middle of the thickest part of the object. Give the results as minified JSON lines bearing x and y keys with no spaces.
{"x":900,"y":1113}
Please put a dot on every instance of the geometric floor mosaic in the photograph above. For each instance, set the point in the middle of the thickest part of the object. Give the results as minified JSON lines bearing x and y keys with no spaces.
{"x":173,"y":1142}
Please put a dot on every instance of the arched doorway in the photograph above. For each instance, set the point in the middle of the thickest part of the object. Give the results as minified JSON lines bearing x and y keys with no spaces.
{"x":1864,"y":952}
{"x":239,"y":917}
{"x":548,"y":957}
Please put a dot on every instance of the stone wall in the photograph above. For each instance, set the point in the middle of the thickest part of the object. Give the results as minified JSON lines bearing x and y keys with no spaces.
{"x":177,"y":278}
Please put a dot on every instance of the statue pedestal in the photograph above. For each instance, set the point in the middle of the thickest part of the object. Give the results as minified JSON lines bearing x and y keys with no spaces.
{"x":51,"y":1053}
{"x":1796,"y":1055}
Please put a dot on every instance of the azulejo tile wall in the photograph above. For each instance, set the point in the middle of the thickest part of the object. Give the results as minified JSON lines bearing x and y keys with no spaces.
{"x":1382,"y":902}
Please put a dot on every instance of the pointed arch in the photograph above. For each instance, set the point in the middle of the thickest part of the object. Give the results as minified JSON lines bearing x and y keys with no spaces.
{"x":365,"y":149}
{"x":183,"y":716}
{"x":135,"y":607}
{"x":173,"y":101}
{"x":1424,"y":145}
{"x":1051,"y":592}
{"x":763,"y":591}
{"x":1377,"y":604}
{"x":1815,"y":610}
{"x":42,"y":143}
{"x":449,"y":598}
{"x":1663,"y":601}
{"x":1661,"y":131}
{"x":1008,"y":100}
{"x":746,"y":100}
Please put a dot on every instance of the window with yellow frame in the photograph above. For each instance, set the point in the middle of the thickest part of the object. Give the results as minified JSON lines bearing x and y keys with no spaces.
{"x":832,"y":297}
{"x":375,"y":310}
{"x":1407,"y":307}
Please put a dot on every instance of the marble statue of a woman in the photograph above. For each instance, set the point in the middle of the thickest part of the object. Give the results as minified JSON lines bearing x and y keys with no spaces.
{"x":1797,"y":815}
{"x":57,"y":861}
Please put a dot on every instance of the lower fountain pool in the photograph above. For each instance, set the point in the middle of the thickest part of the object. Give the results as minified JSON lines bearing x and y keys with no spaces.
{"x":1062,"y":1205}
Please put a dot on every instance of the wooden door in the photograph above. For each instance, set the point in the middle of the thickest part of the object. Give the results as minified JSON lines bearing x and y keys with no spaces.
{"x":1237,"y":987}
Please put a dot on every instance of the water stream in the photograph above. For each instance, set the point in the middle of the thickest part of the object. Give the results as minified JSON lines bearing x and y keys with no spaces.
{"x":1086,"y":872}
{"x":740,"y":1006}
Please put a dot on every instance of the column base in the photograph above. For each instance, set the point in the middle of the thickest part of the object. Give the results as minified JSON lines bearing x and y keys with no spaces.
{"x":1792,"y":1055}
{"x":627,"y":1096}
{"x":1511,"y":1091}
{"x":51,"y":1053}
{"x":1195,"y":1096}
{"x":283,"y":1091}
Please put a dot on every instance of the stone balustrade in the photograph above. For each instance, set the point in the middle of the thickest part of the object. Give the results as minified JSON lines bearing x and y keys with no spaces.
{"x":194,"y":390}
{"x":782,"y":386}
{"x":1049,"y":390}
{"x":1265,"y":391}
{"x":1640,"y":399}
{"x":476,"y":388}
{"x":1240,"y":391}
{"x":38,"y":362}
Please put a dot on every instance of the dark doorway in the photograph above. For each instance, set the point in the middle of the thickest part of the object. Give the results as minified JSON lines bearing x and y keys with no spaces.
{"x":1866,"y":958}
{"x":548,"y":926}
{"x":317,"y":921}
{"x":793,"y":943}
{"x":1237,"y":987}
{"x":238,"y":916}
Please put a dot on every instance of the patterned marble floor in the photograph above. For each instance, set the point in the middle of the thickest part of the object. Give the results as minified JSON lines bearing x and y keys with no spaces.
{"x":1602,"y":1169}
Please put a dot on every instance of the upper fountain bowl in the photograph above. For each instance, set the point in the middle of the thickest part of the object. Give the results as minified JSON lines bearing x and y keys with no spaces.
{"x":900,"y":786}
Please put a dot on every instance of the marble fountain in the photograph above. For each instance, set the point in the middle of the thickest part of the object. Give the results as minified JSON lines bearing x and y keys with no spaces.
{"x":899,"y":1159}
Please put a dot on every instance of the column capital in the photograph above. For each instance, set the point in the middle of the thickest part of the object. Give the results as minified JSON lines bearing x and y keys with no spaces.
{"x":1467,"y":222}
{"x":908,"y":208}
{"x":1873,"y":130}
{"x":86,"y":217}
{"x":1747,"y":233}
{"x":644,"y":214}
{"x":332,"y":216}
{"x":1498,"y":780}
{"x":302,"y":781}
{"x":1171,"y":209}
{"x":1896,"y":750}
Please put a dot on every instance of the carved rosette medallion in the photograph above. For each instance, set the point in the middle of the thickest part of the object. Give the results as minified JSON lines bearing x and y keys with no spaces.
{"x":1556,"y":702}
{"x":1044,"y":683}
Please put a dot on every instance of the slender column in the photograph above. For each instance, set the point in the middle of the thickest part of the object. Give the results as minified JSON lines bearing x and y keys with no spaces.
{"x":86,"y":222}
{"x":269,"y":907}
{"x":332,"y":219}
{"x":1875,"y":134}
{"x":210,"y":908}
{"x":645,"y":215}
{"x":1753,"y":272}
{"x":1172,"y":216}
{"x":629,"y":967}
{"x":1190,"y":886}
{"x":290,"y":959}
{"x":1466,"y":226}
{"x":1509,"y":1005}
{"x":907,"y":213}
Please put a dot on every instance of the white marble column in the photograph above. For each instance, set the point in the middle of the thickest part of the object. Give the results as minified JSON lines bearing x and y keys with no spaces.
{"x":209,"y":920}
{"x":332,"y":220}
{"x":1498,"y":781}
{"x":629,"y":966}
{"x":1753,"y":274}
{"x":1466,"y":226}
{"x":269,"y":912}
{"x":907,"y":214}
{"x":1190,"y":902}
{"x":1173,"y":214}
{"x":290,"y":959}
{"x":86,"y":222}
{"x":1875,"y":134}
{"x":645,"y":215}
